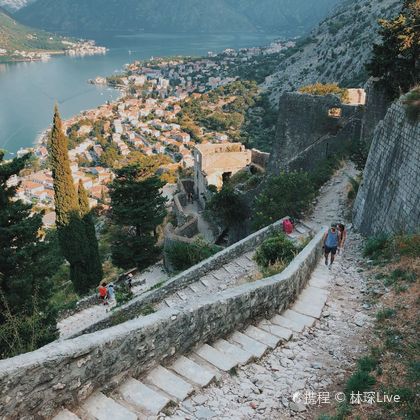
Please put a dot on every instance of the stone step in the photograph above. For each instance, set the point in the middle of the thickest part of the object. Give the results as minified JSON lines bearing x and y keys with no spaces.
{"x":142,"y":398}
{"x":208,"y":280}
{"x":234,"y":269}
{"x":66,"y":415}
{"x":245,"y":263}
{"x":262,"y":336}
{"x":172,"y":301}
{"x":100,"y":407}
{"x":319,"y":281}
{"x":250,"y":255}
{"x":283,"y":333}
{"x":216,"y":358}
{"x":305,"y":320}
{"x":192,"y":371}
{"x":310,"y":305}
{"x":170,"y":383}
{"x":219,"y":275}
{"x":197,"y":287}
{"x":288,"y":323}
{"x":235,"y":352}
{"x":256,"y":348}
{"x":311,"y":292}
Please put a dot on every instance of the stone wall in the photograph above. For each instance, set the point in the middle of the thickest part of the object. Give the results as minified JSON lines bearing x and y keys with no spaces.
{"x":389,"y":197}
{"x":193,"y":274}
{"x":312,"y":128}
{"x":377,"y":104}
{"x":37,"y":384}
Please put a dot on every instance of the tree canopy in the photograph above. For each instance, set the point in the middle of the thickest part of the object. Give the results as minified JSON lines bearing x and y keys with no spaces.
{"x":396,"y":59}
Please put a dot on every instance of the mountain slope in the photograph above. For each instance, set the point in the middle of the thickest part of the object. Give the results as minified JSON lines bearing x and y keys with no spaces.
{"x":336,"y":50}
{"x":14,"y":36}
{"x":173,"y":15}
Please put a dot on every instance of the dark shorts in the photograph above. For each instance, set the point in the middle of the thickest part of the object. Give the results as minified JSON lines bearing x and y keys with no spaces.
{"x":332,"y":250}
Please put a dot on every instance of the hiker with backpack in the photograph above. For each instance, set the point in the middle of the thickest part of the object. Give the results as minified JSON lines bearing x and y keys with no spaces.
{"x":331,"y":243}
{"x":343,"y":236}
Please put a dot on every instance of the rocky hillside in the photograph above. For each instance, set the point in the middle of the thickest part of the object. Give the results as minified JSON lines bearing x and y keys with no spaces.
{"x":77,"y":16}
{"x":14,"y":36}
{"x":336,"y":49}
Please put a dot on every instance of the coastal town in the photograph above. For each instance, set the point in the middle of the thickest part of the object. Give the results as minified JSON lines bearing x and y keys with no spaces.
{"x":147,"y":121}
{"x":79,"y":48}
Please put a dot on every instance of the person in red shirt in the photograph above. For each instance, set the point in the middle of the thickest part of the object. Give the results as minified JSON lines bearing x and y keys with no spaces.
{"x":103,"y":293}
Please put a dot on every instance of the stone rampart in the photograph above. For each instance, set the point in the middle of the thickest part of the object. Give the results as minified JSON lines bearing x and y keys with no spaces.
{"x":193,"y":274}
{"x":312,"y":128}
{"x":37,"y":384}
{"x":389,"y":196}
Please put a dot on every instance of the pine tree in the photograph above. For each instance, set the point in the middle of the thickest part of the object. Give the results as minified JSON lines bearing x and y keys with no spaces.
{"x":27,"y":320}
{"x":92,"y":242}
{"x":72,"y":233}
{"x":138,"y":208}
{"x":396,"y":59}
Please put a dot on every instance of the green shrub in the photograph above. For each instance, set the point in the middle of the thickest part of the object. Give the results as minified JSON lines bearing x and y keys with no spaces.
{"x":360,"y":381}
{"x":377,"y":246}
{"x":321,"y":89}
{"x":412,"y":105}
{"x":184,"y":255}
{"x":274,"y":250}
{"x":123,"y":294}
{"x":385,"y":313}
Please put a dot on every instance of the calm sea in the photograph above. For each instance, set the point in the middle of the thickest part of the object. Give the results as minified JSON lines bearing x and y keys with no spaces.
{"x":28,"y":91}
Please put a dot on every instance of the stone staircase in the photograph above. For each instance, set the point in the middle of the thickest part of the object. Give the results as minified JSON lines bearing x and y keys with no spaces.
{"x":238,"y":271}
{"x":162,"y":387}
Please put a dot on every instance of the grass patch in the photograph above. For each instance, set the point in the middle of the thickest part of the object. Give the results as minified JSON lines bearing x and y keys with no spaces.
{"x":385,"y":313}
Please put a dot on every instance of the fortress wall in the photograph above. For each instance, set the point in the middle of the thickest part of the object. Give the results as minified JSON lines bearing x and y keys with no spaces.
{"x":36,"y":384}
{"x":311,"y":128}
{"x":389,"y":196}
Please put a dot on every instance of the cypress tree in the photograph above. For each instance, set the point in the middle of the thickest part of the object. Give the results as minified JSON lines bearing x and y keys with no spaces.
{"x":72,"y":233}
{"x":86,"y":215}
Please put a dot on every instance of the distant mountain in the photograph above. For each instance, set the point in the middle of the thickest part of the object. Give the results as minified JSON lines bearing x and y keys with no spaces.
{"x":336,"y":50}
{"x":14,"y":36}
{"x":13,"y":5}
{"x":79,"y":16}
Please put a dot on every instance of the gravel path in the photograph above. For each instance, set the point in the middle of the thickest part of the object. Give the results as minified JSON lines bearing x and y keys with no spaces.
{"x":313,"y":361}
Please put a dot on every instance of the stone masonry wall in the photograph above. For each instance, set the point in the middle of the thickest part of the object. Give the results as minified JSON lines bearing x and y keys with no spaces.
{"x":389,"y":197}
{"x":193,"y":274}
{"x":306,"y":133}
{"x":37,"y":384}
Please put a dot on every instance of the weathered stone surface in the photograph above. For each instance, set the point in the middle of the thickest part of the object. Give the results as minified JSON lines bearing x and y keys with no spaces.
{"x":66,"y":415}
{"x":101,"y":407}
{"x":221,"y":360}
{"x":170,"y":383}
{"x":142,"y":397}
{"x":192,"y":371}
{"x":310,"y":306}
{"x":283,"y":333}
{"x":388,"y":199}
{"x":248,"y":344}
{"x":288,"y":323}
{"x":262,"y":336}
{"x":305,"y":139}
{"x":306,"y":321}
{"x":235,"y":352}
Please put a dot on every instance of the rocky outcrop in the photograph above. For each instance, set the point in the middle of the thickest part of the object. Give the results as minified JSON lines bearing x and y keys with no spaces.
{"x":336,"y":50}
{"x":388,"y":199}
{"x":312,"y":128}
